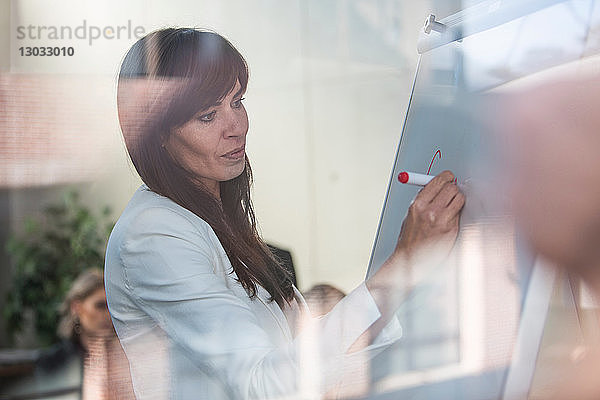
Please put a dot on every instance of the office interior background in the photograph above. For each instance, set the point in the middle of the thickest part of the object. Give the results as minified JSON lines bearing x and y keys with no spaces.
{"x":329,"y":86}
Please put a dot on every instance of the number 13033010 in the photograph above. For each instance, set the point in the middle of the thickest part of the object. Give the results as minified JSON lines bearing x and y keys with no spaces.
{"x":47,"y":51}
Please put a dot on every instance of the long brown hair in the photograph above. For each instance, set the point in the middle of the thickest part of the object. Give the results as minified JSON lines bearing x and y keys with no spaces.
{"x":203,"y":67}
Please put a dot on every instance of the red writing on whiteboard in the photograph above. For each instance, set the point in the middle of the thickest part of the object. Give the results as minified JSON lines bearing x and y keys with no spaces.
{"x":437,"y":153}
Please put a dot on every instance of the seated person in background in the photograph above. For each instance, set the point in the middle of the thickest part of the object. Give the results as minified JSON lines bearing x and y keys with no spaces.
{"x":90,"y":342}
{"x":322,"y":298}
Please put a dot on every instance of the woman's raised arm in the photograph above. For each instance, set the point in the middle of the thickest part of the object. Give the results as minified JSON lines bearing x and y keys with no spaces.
{"x":428,"y":232}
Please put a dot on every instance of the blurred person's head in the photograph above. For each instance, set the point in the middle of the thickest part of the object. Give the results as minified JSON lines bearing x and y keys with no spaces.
{"x":322,"y":298}
{"x":179,"y":102}
{"x":553,"y":170}
{"x":84,"y":310}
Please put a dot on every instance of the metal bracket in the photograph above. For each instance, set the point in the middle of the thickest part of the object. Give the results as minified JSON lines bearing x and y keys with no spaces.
{"x":432,"y":25}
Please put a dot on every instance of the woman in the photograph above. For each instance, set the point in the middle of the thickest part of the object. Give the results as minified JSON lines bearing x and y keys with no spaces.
{"x":89,"y":337}
{"x":200,"y":305}
{"x":84,"y":313}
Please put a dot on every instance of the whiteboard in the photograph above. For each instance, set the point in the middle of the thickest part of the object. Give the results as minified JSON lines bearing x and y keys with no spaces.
{"x":461,"y":322}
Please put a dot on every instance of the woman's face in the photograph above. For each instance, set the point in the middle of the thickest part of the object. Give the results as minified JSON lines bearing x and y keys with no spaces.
{"x":93,"y":313}
{"x":212,"y":144}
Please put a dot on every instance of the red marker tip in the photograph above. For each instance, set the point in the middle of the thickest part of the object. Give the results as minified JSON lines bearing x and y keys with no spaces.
{"x":403,"y":177}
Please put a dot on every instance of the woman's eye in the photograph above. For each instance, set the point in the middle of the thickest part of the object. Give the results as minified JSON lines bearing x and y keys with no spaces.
{"x":207,"y":117}
{"x":238,"y":103}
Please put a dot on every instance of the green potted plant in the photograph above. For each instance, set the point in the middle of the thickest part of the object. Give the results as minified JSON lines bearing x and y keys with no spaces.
{"x":47,"y":257}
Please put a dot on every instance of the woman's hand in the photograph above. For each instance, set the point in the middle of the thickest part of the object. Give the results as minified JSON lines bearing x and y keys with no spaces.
{"x":432,"y":218}
{"x":431,"y":224}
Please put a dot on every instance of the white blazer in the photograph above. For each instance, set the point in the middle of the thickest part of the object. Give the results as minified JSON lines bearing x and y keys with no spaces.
{"x":190,"y":331}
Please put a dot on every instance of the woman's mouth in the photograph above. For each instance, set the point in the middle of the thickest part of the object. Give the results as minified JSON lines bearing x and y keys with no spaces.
{"x":235,"y":154}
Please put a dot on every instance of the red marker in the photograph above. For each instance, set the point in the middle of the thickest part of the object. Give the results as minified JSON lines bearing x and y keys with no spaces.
{"x":413,"y":178}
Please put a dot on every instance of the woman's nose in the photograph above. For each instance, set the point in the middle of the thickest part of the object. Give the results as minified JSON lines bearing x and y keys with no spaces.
{"x":237,"y":125}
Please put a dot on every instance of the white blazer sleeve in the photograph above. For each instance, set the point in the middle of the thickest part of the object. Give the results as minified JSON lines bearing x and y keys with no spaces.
{"x":169,"y":269}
